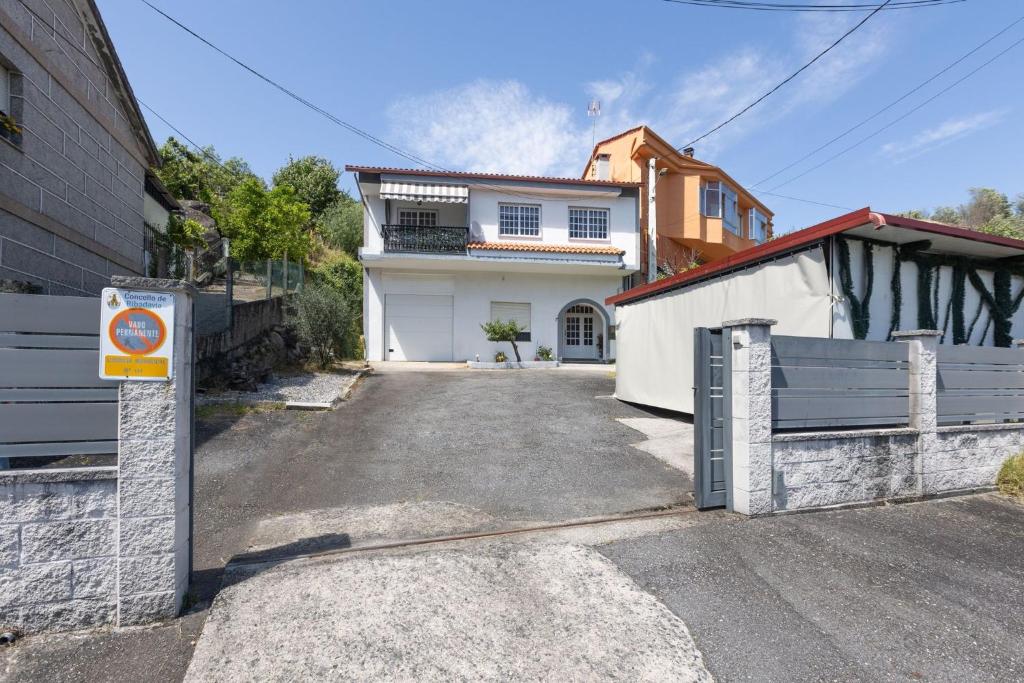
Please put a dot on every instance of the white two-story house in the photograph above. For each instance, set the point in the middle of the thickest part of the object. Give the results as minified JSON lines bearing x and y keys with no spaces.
{"x":445,"y":252}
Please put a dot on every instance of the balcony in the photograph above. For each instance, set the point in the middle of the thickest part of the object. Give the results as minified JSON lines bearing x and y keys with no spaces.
{"x":421,"y":239}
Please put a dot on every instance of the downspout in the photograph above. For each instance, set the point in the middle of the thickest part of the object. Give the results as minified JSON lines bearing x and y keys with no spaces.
{"x":652,"y":221}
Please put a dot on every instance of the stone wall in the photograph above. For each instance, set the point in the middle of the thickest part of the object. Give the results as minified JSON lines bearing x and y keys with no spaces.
{"x":58,"y":549}
{"x":257,"y":341}
{"x":783,"y":471}
{"x":71,"y":201}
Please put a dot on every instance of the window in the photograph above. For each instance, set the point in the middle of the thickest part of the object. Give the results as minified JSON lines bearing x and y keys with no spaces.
{"x":758,"y":226}
{"x":732,"y":219}
{"x":588,"y":224}
{"x":417,"y":217}
{"x":503,"y":310}
{"x":5,"y":90}
{"x":711,"y":199}
{"x":519,"y":220}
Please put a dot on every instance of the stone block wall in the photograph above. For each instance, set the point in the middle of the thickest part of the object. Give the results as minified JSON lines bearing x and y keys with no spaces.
{"x":783,"y":471}
{"x":71,"y":200}
{"x":58,"y":549}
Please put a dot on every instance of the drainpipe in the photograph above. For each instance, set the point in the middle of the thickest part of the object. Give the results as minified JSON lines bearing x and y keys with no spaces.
{"x":652,"y":221}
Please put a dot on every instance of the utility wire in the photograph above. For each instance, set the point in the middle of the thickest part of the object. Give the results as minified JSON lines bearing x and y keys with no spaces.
{"x":789,"y":78}
{"x":897,"y":120}
{"x":803,"y":7}
{"x":888,"y":106}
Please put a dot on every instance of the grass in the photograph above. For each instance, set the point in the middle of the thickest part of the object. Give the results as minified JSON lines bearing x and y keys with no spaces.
{"x":1011,"y":476}
{"x":219,"y":410}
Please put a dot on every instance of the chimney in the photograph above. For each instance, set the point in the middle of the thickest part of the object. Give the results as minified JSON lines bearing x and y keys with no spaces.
{"x":688,"y":152}
{"x":604,"y":167}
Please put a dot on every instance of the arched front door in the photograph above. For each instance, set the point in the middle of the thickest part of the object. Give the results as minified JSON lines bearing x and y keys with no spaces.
{"x":582,"y":333}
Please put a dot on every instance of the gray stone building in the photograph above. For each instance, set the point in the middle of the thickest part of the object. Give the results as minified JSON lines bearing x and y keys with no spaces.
{"x":74,"y":151}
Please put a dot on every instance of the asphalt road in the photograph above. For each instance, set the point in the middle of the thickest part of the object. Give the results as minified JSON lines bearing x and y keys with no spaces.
{"x":928,"y":591}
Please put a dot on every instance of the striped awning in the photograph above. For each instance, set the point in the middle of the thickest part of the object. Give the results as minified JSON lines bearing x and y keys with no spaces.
{"x":425,"y":192}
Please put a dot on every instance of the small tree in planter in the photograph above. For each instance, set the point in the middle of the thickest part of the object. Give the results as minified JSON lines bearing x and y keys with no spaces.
{"x":504,"y":331}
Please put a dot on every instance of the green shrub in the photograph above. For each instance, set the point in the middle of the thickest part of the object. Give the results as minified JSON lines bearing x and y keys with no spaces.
{"x":323,"y":322}
{"x":1011,"y":476}
{"x":344,"y":274}
{"x":341,"y":225}
{"x":500,"y":357}
{"x":544,"y":353}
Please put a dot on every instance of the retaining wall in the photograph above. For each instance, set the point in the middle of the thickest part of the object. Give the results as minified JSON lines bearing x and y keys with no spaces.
{"x":58,"y":548}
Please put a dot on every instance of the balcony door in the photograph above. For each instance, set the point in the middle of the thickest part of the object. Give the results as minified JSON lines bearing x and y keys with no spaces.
{"x":579,"y":333}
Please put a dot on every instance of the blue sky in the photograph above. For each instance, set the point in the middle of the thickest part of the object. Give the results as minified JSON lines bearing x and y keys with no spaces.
{"x":505,"y":86}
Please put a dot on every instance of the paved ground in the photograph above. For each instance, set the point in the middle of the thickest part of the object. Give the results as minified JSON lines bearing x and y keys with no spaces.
{"x":927,"y":591}
{"x":415,"y":452}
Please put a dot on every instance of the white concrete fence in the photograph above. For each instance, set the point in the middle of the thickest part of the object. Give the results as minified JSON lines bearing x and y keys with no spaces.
{"x":775,"y":470}
{"x":107,"y":545}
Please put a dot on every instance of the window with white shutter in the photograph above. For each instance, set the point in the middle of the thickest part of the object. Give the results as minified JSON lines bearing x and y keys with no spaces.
{"x":504,"y":310}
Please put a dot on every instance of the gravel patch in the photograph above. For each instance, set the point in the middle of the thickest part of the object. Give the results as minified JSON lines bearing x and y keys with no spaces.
{"x":317,"y":387}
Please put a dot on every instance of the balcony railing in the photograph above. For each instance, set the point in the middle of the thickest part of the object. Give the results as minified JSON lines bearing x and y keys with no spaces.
{"x":417,"y":239}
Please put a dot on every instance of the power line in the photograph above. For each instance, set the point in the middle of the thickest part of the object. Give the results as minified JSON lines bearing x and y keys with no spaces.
{"x":803,"y":7}
{"x":888,"y":106}
{"x":807,"y":201}
{"x":897,"y":120}
{"x":784,"y":81}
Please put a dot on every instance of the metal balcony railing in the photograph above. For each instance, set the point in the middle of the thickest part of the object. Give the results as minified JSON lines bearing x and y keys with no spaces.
{"x":417,"y":239}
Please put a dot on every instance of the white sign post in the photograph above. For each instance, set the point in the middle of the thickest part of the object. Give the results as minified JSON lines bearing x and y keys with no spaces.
{"x":136,"y":335}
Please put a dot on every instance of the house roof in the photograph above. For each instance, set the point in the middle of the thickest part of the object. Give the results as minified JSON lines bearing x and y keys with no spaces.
{"x":551,"y":248}
{"x":863,"y":221}
{"x":156,"y":189}
{"x":486,"y":176}
{"x":91,"y":14}
{"x":665,"y":148}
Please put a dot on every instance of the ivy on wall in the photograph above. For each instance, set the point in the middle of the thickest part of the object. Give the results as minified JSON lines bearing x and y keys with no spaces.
{"x":1001,"y":303}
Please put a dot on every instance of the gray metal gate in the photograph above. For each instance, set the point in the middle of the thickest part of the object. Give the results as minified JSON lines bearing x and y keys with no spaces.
{"x":711,"y":423}
{"x":52,"y":402}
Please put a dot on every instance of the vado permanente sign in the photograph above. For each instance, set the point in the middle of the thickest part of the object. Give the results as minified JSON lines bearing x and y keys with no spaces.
{"x":136,"y":335}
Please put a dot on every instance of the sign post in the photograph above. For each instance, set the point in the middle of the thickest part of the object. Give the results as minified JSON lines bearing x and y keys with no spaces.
{"x":136,"y":335}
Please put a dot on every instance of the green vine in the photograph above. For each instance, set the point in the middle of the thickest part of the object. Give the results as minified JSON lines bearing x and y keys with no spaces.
{"x":925,"y":314}
{"x":859,"y":308}
{"x":957,"y":298}
{"x":897,"y":292}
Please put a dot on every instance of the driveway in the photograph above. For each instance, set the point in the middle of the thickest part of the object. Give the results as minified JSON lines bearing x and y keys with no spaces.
{"x":426,"y":453}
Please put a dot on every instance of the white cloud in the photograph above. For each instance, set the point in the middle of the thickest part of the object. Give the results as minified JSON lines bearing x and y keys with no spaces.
{"x":942,"y":134}
{"x":489,"y":126}
{"x":503,"y":126}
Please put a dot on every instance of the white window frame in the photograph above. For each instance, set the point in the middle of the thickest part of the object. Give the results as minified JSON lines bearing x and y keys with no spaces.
{"x":419,"y":214}
{"x":590,"y":234}
{"x":711,"y":188}
{"x":754,"y":232}
{"x":521,"y":312}
{"x":732,"y":217}
{"x":5,"y":90}
{"x":518,"y":230}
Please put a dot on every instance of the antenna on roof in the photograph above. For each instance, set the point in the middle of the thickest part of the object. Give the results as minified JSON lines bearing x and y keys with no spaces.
{"x":593,"y":111}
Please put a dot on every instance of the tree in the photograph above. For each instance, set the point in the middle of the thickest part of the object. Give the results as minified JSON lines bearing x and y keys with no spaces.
{"x":200,"y":176}
{"x":986,"y":204}
{"x":504,"y":331}
{"x":315,"y":180}
{"x":265,"y":223}
{"x":341,"y":225}
{"x":344,"y":274}
{"x":947,"y":215}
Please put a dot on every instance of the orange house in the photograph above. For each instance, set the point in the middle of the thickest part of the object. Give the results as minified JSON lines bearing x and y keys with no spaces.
{"x":702,"y":213}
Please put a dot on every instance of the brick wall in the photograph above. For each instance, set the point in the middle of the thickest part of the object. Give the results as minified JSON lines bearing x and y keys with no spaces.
{"x":71,"y":200}
{"x":58,"y":547}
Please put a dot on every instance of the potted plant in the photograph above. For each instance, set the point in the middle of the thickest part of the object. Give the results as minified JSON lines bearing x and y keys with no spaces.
{"x":9,"y":128}
{"x":544,"y":353}
{"x":500,"y":357}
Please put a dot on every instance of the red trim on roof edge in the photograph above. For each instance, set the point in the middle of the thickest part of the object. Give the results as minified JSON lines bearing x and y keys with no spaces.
{"x":487,"y":176}
{"x":806,"y":236}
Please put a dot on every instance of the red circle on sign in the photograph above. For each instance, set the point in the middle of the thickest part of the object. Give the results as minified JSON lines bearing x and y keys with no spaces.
{"x":136,"y":342}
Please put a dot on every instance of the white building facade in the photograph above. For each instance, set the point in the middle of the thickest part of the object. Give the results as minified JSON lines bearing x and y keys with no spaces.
{"x":445,"y":253}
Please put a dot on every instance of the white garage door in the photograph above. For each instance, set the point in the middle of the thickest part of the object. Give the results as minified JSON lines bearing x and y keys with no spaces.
{"x":419,"y":326}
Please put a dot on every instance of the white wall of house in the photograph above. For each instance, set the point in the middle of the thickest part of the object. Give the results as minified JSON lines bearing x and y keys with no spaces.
{"x":554,"y":219}
{"x":154,"y":213}
{"x":472,"y":293}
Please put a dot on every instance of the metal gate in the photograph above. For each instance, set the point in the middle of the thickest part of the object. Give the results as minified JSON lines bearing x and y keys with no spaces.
{"x":711,"y":418}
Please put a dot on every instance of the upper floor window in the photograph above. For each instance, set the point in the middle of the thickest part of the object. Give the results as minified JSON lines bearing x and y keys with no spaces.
{"x":519,"y":220}
{"x":758,"y":226}
{"x":588,"y":224}
{"x":718,"y":200}
{"x":417,"y":217}
{"x":5,"y":90}
{"x":711,"y":199}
